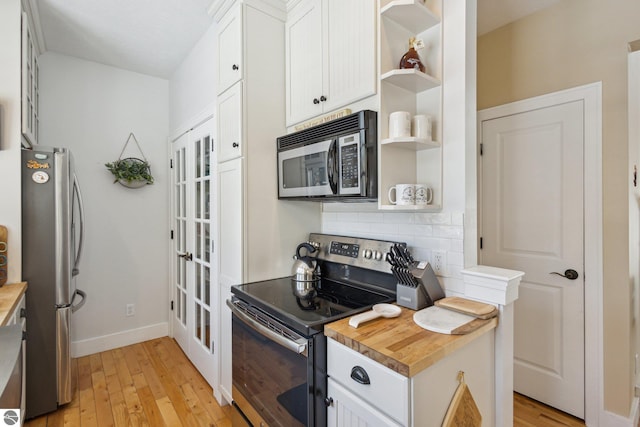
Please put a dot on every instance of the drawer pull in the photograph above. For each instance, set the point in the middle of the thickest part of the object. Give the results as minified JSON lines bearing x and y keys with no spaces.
{"x":359,"y":375}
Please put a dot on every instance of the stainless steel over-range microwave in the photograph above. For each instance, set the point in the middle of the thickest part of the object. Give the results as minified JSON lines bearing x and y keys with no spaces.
{"x":333,"y":161}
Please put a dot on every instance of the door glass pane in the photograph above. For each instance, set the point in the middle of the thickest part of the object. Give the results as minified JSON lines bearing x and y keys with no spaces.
{"x":207,"y":155}
{"x":198,"y":283}
{"x":207,"y":286}
{"x":206,"y":199}
{"x":178,"y":204}
{"x":198,"y":242}
{"x":207,"y":243}
{"x":207,"y":329}
{"x":198,"y":201}
{"x":198,"y":159}
{"x":178,"y":306}
{"x":183,"y":202}
{"x":183,"y":174}
{"x":178,"y":166}
{"x":184,"y":309}
{"x":198,"y":325}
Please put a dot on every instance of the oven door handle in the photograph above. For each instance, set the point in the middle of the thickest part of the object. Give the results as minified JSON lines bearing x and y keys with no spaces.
{"x":297,"y":346}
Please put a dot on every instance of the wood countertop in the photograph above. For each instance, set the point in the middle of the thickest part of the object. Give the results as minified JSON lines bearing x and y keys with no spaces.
{"x":399,"y":343}
{"x":10,"y":295}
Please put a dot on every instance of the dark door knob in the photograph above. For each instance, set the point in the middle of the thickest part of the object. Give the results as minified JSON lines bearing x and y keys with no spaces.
{"x":323,"y":98}
{"x":235,"y":145}
{"x":568,"y":274}
{"x":234,"y":67}
{"x":187,"y":255}
{"x":328,"y":401}
{"x":316,"y":101}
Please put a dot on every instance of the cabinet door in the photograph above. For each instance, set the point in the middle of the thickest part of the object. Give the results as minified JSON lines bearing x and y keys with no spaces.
{"x":230,"y":123}
{"x":348,"y":410}
{"x":350,"y":52}
{"x":304,"y":62}
{"x":230,"y":256}
{"x":230,"y":49}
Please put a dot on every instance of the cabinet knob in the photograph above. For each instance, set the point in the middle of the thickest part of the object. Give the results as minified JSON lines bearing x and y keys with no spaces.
{"x":328,"y":401}
{"x":323,"y":98}
{"x":316,"y":101}
{"x":235,"y":145}
{"x":234,"y":67}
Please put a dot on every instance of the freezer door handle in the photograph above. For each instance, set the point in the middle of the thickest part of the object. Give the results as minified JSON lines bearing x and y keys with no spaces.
{"x":78,"y":306}
{"x":78,"y":195}
{"x":63,"y":354}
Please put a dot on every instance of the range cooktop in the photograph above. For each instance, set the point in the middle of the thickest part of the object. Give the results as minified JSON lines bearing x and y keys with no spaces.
{"x":334,"y":300}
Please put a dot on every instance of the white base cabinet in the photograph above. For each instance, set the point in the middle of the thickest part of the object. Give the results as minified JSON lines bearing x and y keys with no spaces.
{"x":349,"y":410}
{"x":391,"y":399}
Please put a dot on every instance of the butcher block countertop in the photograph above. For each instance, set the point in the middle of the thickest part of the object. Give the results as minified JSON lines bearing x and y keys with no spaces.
{"x":401,"y":345}
{"x":10,"y":295}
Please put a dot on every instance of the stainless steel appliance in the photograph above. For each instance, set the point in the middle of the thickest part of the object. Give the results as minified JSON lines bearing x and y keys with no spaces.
{"x":334,"y":161}
{"x":278,"y":345}
{"x":52,"y":235}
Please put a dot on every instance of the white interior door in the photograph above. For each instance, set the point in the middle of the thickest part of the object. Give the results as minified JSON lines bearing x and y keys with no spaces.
{"x":195,"y":319}
{"x":532,"y":220}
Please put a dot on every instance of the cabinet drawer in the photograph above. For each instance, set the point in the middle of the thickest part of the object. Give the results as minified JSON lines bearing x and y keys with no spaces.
{"x":386,"y":389}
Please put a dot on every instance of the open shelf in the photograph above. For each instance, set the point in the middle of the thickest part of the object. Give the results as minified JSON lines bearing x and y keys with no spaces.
{"x":411,"y":14}
{"x":411,"y":143}
{"x":410,"y":79}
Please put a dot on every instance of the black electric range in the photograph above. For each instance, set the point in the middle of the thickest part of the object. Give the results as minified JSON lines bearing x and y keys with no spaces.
{"x":278,"y":345}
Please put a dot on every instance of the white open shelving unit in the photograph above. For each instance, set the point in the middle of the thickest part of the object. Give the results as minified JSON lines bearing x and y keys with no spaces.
{"x":410,"y":160}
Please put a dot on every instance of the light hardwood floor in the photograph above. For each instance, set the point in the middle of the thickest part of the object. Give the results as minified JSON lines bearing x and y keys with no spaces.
{"x":153,"y":384}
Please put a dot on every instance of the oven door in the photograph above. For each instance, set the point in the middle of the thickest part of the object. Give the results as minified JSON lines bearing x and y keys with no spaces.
{"x":272,"y":370}
{"x":308,"y":171}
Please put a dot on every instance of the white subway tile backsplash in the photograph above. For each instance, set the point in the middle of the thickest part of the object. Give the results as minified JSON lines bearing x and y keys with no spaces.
{"x":422,"y":232}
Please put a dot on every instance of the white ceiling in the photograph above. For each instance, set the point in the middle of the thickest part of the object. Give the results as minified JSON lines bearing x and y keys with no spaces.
{"x":154,"y":36}
{"x":147,"y":36}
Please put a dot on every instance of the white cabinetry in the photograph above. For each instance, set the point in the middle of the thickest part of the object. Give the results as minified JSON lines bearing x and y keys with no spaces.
{"x":330,"y":56}
{"x":230,"y":123}
{"x":30,"y":90}
{"x":391,"y":399}
{"x":258,"y":233}
{"x":410,"y":160}
{"x":230,"y":49}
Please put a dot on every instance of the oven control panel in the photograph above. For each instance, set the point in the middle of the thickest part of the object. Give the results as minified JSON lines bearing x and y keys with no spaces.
{"x":347,"y":249}
{"x":365,"y":253}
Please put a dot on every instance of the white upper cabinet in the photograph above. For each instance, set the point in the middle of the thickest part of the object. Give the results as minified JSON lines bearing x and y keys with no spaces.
{"x":230,"y":123}
{"x":230,"y":49}
{"x":330,"y":56}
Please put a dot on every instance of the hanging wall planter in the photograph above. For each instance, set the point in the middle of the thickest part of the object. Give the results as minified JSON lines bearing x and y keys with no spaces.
{"x":131,"y":172}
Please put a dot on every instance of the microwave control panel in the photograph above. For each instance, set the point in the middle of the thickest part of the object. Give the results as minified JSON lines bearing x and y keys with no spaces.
{"x":349,"y":148}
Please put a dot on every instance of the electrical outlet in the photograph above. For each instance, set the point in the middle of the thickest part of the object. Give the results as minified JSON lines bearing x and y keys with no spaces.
{"x":131,"y":310}
{"x":439,"y":262}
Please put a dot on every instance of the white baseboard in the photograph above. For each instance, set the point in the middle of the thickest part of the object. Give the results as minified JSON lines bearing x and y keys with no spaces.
{"x":120,"y":339}
{"x":610,"y":419}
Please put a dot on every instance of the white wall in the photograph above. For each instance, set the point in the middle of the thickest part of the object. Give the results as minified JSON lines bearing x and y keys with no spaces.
{"x":10,"y":133}
{"x":91,"y":109}
{"x":192,"y":88}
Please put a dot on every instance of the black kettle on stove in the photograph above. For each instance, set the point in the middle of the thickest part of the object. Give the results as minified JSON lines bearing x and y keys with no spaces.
{"x":305,"y":273}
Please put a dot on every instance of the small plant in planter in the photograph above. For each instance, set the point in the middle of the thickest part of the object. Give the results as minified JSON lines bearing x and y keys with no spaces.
{"x":131,"y":172}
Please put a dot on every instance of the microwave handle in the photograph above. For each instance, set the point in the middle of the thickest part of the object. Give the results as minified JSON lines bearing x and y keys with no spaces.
{"x":332,"y":166}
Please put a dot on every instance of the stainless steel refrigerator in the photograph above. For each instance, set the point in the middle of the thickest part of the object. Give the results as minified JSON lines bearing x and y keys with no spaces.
{"x":52,"y":235}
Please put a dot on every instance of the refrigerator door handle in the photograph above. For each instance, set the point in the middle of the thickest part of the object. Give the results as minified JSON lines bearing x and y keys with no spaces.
{"x":76,"y":187}
{"x":78,"y":306}
{"x":63,"y":355}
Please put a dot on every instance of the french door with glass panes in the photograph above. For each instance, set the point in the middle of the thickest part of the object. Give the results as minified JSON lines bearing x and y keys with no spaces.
{"x":194,"y":302}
